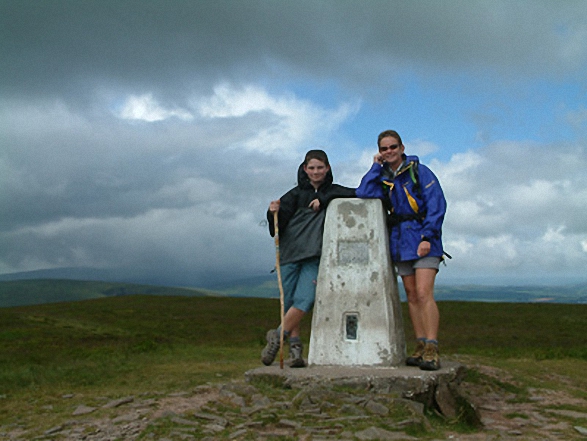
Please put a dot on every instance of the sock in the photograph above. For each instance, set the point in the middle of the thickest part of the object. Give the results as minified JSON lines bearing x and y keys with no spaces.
{"x":421,"y":339}
{"x":285,"y":333}
{"x":434,"y":342}
{"x":295,"y":341}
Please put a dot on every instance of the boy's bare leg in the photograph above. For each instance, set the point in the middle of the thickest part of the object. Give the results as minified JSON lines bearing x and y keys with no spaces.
{"x":292,"y":320}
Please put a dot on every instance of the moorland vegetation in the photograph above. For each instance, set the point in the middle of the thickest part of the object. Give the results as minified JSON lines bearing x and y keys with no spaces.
{"x":140,"y":345}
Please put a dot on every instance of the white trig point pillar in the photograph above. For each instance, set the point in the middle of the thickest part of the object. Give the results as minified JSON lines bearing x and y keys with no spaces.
{"x":357,"y":317}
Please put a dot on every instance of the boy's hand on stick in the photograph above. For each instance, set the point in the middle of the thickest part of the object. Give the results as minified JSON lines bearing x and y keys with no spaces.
{"x":274,"y":206}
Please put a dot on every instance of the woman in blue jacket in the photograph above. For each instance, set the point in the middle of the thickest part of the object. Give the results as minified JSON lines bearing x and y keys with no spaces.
{"x":416,"y":205}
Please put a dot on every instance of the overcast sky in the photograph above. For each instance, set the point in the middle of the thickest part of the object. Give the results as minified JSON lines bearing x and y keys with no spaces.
{"x":150,"y":136}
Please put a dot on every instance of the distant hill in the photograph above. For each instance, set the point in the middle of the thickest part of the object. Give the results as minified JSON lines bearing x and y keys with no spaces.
{"x":37,"y":292}
{"x":266,"y":287}
{"x":519,"y":294}
{"x":41,"y":291}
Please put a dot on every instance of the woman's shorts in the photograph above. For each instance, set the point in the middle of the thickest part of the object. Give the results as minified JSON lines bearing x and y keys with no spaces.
{"x":299,"y":284}
{"x":408,"y":267}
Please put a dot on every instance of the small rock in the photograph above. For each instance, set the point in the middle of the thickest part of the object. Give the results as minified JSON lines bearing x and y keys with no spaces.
{"x":581,"y":430}
{"x":83,"y":410}
{"x":351,"y":409}
{"x":377,"y":408}
{"x":569,"y":413}
{"x":53,"y":430}
{"x":376,"y":433}
{"x":218,"y":420}
{"x":125,"y":418}
{"x":260,"y":401}
{"x":119,"y":402}
{"x":184,"y":421}
{"x":238,"y":434}
{"x":238,"y":401}
{"x":290,"y":424}
{"x":179,"y":394}
{"x":214,"y":427}
{"x":248,"y":411}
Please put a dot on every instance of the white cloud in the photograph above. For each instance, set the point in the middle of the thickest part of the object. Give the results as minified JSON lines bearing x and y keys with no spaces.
{"x":538,"y":193}
{"x":513,"y":216}
{"x":228,"y":102}
{"x":292,"y":121}
{"x":146,"y":108}
{"x":554,"y":234}
{"x":422,"y":148}
{"x":458,"y":174}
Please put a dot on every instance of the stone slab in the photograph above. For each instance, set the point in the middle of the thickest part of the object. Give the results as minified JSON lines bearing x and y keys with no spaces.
{"x":408,"y":382}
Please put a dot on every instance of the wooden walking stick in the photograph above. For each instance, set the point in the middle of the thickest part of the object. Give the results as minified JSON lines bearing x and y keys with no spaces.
{"x":281,"y":301}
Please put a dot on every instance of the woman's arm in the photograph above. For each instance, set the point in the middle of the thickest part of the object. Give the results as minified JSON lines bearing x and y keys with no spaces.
{"x":370,"y":187}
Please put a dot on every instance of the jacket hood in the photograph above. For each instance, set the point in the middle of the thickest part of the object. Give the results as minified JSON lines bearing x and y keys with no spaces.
{"x":412,"y":158}
{"x":304,"y":180}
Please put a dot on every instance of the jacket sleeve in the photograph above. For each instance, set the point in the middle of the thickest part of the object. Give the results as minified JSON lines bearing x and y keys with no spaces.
{"x":336,"y":191}
{"x":434,"y":202}
{"x":288,"y":204}
{"x":370,"y":187}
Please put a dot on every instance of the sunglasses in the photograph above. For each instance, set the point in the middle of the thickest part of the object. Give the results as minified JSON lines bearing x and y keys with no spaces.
{"x":391,"y":147}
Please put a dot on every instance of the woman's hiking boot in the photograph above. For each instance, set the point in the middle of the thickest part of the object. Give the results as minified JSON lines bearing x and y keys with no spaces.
{"x":416,"y":358}
{"x":296,"y":359}
{"x":431,"y":358}
{"x":272,"y":348}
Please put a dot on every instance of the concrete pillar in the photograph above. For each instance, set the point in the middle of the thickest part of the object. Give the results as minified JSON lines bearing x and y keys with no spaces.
{"x":357,"y":317}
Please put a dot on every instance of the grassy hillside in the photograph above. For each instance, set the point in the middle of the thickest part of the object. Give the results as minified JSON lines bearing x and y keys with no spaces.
{"x":36,"y":292}
{"x":94,"y":341}
{"x":138,"y":344}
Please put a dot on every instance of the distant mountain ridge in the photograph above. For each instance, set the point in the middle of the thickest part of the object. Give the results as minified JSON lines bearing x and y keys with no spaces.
{"x":205,"y":280}
{"x":39,"y":291}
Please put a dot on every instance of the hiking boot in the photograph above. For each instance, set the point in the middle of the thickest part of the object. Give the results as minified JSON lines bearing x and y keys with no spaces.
{"x":296,"y":359}
{"x":272,"y":348}
{"x":416,"y":358}
{"x":430,"y":359}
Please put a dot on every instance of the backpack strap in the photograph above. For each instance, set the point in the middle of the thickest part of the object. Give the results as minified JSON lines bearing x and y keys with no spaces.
{"x":415,"y":176}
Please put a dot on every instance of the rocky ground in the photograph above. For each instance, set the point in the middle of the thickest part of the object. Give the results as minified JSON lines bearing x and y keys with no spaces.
{"x":241,"y":411}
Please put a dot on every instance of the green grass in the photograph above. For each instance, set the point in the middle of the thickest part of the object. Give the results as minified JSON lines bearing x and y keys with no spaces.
{"x":131,"y":345}
{"x":518,"y":330}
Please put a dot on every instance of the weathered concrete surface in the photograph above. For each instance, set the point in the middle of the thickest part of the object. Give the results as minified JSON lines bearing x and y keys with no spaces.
{"x":357,"y":317}
{"x":437,"y":390}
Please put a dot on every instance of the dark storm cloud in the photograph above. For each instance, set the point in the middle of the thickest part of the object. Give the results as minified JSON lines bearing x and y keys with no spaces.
{"x":54,"y":47}
{"x":150,"y":135}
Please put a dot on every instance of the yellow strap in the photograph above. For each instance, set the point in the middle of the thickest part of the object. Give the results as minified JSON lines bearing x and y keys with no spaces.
{"x":389,"y":184}
{"x":411,"y":200}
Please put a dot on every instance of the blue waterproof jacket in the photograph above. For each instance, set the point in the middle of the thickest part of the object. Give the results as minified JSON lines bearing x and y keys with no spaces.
{"x":416,"y":204}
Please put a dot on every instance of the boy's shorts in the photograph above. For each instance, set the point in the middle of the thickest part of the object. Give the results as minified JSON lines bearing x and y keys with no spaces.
{"x":408,"y":267}
{"x":299,"y":284}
